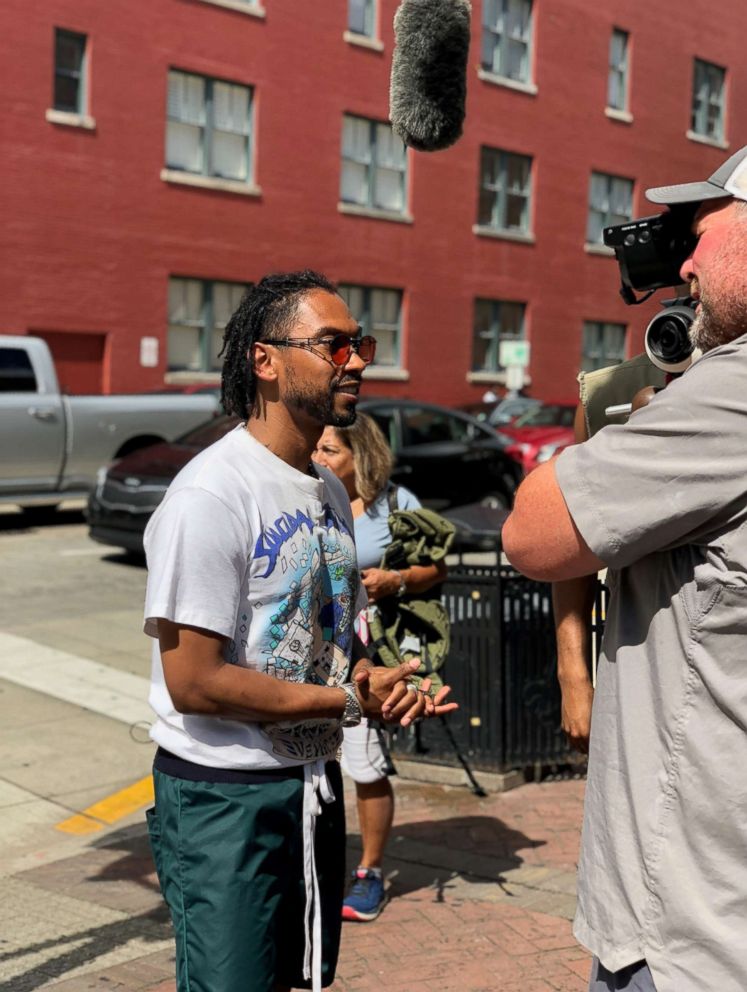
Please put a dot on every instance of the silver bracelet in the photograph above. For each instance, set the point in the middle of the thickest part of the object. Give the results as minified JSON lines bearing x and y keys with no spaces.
{"x":402,"y":584}
{"x":352,"y":714}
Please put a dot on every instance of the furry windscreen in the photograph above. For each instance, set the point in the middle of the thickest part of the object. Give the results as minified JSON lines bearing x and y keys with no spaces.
{"x":429,"y":72}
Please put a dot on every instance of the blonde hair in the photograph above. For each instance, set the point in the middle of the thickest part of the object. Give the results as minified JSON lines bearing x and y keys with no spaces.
{"x":372,"y":456}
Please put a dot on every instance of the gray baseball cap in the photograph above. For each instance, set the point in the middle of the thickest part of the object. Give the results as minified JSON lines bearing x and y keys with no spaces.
{"x":730,"y":179}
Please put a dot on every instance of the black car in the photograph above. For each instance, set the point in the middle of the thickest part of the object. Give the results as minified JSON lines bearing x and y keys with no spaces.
{"x":445,"y":457}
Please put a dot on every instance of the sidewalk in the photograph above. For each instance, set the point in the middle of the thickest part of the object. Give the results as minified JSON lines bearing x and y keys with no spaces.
{"x":482,"y":892}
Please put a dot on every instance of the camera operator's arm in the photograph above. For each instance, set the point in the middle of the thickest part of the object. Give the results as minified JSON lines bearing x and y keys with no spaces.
{"x":540,"y":538}
{"x":572,"y":602}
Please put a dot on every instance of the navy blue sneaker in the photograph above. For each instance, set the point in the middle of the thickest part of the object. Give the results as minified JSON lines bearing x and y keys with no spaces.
{"x":366,"y":898}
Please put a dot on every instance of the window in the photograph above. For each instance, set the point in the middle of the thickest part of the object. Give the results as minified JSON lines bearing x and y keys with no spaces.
{"x":374,"y":165}
{"x":495,"y":321}
{"x":507,"y":38}
{"x":198,"y":314}
{"x":379,"y":312}
{"x":424,"y":426}
{"x":70,"y":82}
{"x":709,"y":101}
{"x":617,"y":80}
{"x":610,"y":202}
{"x":16,"y":372}
{"x":602,"y":345}
{"x":362,"y":17}
{"x":386,"y":418}
{"x":208,"y":131}
{"x":504,"y":190}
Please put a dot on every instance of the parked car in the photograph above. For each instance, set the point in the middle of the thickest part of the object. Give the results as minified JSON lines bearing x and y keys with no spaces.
{"x":51,"y":444}
{"x":444,"y":456}
{"x":540,"y":433}
{"x":501,"y":412}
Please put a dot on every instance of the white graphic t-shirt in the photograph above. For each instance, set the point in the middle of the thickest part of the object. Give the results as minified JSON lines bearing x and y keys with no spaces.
{"x":248,"y":547}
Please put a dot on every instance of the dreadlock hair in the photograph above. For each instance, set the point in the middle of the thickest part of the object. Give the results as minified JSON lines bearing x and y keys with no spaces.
{"x":266,"y":311}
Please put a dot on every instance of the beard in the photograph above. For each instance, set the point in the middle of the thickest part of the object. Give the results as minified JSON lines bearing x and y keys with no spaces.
{"x":316,"y":405}
{"x":722,"y":315}
{"x":719,"y":320}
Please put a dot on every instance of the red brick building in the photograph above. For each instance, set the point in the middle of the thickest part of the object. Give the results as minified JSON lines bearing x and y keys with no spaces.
{"x":159,"y":155}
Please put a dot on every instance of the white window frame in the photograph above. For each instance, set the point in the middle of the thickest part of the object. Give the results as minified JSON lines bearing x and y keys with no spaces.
{"x":496,"y":332}
{"x":617,"y":77}
{"x":365,"y":319}
{"x":709,"y":96}
{"x":596,"y":350}
{"x":498,"y":38}
{"x":208,"y":129}
{"x":501,"y":192}
{"x":207,"y":323}
{"x":252,"y":7}
{"x":603,"y":210}
{"x":371,"y":161}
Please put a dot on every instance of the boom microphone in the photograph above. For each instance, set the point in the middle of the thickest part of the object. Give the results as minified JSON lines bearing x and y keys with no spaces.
{"x":429,"y":72}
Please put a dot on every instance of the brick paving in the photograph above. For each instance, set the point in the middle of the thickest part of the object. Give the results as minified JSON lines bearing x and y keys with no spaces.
{"x":481,"y":899}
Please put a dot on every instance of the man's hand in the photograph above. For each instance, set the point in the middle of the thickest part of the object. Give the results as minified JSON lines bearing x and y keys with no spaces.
{"x":386,"y":693}
{"x":577,"y":697}
{"x":380,"y":583}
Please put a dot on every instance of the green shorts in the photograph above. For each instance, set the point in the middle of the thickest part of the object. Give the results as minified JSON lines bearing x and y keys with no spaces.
{"x":229,"y":858}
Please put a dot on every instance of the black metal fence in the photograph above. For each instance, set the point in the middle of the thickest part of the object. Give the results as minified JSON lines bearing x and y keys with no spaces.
{"x":502,"y":669}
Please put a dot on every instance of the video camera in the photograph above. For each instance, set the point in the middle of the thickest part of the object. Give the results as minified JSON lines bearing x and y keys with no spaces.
{"x":650,"y":252}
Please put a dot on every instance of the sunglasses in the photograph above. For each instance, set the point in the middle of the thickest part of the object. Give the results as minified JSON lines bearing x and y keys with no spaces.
{"x":339,"y":346}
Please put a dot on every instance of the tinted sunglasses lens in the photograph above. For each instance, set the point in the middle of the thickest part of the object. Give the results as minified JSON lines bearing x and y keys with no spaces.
{"x":340,"y":348}
{"x":367,"y":348}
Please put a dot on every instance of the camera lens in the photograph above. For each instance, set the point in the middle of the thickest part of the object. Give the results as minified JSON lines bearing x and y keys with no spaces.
{"x":667,"y":339}
{"x":671,"y":335}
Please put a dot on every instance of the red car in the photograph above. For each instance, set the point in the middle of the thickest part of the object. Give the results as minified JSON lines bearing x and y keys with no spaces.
{"x":540,"y":433}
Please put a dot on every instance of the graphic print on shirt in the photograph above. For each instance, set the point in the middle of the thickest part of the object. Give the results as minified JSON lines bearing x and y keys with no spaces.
{"x":309,"y":634}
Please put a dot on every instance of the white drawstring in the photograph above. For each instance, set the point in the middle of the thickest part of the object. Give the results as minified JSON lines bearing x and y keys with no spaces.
{"x":315,"y":783}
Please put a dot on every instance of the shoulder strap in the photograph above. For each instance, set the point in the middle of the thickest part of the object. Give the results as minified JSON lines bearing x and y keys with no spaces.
{"x":392,"y":500}
{"x":392,"y":497}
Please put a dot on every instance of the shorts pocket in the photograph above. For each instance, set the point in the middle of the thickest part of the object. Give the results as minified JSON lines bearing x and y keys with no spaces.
{"x":154,"y":834}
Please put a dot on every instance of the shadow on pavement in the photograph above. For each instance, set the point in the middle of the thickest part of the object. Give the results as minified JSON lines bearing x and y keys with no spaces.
{"x":153,"y":926}
{"x":39,"y":517}
{"x":430,"y":854}
{"x":122,"y":861}
{"x":128,"y":559}
{"x":135,"y":864}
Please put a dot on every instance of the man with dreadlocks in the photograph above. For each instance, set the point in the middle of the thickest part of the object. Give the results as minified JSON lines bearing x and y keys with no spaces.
{"x":252,"y":588}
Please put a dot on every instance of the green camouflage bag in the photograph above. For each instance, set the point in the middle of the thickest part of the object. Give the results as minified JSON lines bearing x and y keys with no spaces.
{"x":414,"y":626}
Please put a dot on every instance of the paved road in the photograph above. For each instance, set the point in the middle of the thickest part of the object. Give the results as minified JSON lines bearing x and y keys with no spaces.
{"x":482,"y":889}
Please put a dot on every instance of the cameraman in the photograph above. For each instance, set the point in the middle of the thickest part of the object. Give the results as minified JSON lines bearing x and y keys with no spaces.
{"x":662,"y":502}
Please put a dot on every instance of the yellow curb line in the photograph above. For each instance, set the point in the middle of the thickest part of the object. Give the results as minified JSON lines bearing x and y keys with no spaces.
{"x":111,"y":809}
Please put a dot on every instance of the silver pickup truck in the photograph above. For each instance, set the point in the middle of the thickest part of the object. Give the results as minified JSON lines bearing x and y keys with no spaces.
{"x":51,"y":444}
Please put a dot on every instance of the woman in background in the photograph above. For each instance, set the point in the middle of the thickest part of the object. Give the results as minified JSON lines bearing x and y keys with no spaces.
{"x":360,"y":457}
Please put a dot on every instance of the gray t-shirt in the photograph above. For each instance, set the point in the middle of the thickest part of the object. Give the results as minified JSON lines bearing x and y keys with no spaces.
{"x":662,"y":501}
